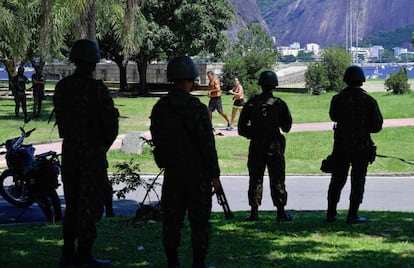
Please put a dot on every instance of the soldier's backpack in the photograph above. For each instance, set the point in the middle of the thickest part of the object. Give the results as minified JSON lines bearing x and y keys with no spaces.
{"x":259,"y":118}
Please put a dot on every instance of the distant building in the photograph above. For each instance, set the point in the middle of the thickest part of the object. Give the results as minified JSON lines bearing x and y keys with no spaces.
{"x":295,"y":45}
{"x":313,"y":47}
{"x":287,"y":51}
{"x":376,"y":52}
{"x":399,"y":50}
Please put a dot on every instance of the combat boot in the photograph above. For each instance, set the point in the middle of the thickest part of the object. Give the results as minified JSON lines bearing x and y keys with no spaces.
{"x":356,"y":219}
{"x":353,"y":217}
{"x":254,"y":215}
{"x":69,"y":257}
{"x":282,"y":215}
{"x":199,"y":257}
{"x":86,"y":260}
{"x":172,"y":258}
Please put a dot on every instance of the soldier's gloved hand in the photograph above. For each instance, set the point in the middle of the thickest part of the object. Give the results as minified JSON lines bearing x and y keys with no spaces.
{"x":216,"y":184}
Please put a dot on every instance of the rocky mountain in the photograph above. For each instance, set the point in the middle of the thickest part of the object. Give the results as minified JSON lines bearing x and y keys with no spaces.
{"x":323,"y":21}
{"x":246,"y":11}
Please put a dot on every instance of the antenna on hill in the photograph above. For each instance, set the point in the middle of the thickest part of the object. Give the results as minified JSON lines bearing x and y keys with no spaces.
{"x":351,"y":26}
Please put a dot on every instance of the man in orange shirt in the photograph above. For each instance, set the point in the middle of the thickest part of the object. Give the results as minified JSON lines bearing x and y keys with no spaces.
{"x":214,"y":93}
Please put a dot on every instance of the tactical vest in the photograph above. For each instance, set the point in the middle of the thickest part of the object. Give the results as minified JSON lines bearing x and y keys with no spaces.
{"x":260,"y":118}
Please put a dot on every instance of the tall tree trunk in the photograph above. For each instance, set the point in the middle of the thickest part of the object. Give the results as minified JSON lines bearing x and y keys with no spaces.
{"x":142,"y":70}
{"x":123,"y":84}
{"x":91,"y":15}
{"x":10,"y":69}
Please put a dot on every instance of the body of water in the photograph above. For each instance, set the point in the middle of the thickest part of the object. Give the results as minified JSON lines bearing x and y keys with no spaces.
{"x":384,"y":71}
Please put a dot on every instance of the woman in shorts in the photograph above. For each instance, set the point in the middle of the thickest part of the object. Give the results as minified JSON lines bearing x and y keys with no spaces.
{"x":237,"y":92}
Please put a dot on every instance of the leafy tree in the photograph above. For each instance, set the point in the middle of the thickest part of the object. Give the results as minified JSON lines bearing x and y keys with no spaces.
{"x":288,"y":58}
{"x":121,"y":33}
{"x":14,"y":35}
{"x":316,"y":78}
{"x":48,"y":24}
{"x":252,"y":53}
{"x":406,"y":57}
{"x":182,"y":28}
{"x":305,"y":56}
{"x":398,"y":82}
{"x":335,"y":61}
{"x":327,"y":75}
{"x":390,"y":39}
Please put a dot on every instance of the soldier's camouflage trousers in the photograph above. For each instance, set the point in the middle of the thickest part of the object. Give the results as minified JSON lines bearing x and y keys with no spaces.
{"x":85,"y":192}
{"x":179,"y":196}
{"x":343,"y":161}
{"x":262,"y":153}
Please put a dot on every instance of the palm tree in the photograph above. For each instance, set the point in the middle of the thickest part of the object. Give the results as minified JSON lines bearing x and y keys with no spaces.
{"x":13,"y":36}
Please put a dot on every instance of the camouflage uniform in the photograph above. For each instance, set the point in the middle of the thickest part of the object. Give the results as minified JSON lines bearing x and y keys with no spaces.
{"x":19,"y":92}
{"x":88,"y":124}
{"x":184,"y":145}
{"x":38,"y":93}
{"x":267,"y":147}
{"x":356,"y":115}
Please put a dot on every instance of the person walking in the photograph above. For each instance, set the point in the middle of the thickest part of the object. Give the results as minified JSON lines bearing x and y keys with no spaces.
{"x":19,"y":92}
{"x":238,"y":98}
{"x":88,"y":123}
{"x":261,"y":120}
{"x":38,"y":81}
{"x":356,"y":115}
{"x":214,"y":93}
{"x":184,"y":143}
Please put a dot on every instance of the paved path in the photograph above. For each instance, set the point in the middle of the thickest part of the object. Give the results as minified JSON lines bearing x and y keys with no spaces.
{"x":306,"y":193}
{"x":222,"y":132}
{"x":383,"y":193}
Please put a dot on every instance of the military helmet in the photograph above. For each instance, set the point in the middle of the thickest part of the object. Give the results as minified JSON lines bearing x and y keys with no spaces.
{"x":181,"y":68}
{"x":85,"y":50}
{"x":268,"y":78}
{"x":354,"y":75}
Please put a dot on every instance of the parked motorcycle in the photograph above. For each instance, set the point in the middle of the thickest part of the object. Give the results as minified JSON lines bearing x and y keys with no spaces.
{"x":31,"y":178}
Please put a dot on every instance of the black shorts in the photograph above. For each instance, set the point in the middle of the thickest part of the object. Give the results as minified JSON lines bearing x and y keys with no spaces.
{"x":238,"y":104}
{"x":215,"y":104}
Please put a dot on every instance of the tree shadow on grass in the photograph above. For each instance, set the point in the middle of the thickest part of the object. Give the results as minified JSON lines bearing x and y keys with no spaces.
{"x":308,"y":241}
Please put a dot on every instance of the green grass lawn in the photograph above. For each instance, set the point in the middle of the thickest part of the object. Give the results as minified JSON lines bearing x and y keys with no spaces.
{"x":385,"y":241}
{"x":304,"y":153}
{"x":304,"y":150}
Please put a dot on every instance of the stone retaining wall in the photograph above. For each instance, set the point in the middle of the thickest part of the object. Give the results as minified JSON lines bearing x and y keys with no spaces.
{"x":109,"y":72}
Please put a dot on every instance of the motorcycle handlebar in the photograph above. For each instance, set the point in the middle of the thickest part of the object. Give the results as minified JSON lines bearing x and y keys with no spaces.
{"x":27,"y":134}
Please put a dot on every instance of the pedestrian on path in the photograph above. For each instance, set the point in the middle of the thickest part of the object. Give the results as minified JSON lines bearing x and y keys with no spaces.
{"x":88,"y":123}
{"x":214,"y":93}
{"x":238,"y":97}
{"x":261,"y":120}
{"x":356,"y":115}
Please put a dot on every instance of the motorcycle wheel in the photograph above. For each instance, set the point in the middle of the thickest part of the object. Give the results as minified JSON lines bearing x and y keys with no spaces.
{"x":50,"y":205}
{"x":16,"y":193}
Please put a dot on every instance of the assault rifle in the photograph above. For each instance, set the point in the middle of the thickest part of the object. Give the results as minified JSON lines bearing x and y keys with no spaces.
{"x":222,"y":200}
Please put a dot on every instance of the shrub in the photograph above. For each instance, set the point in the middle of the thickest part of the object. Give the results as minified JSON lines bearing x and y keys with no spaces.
{"x":327,"y":75}
{"x":316,"y":79}
{"x":398,"y":82}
